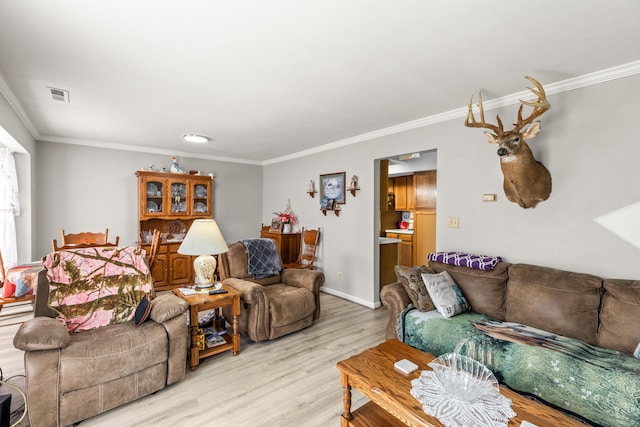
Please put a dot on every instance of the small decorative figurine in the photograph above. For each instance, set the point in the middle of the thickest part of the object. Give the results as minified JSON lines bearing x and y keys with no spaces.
{"x":174,"y":166}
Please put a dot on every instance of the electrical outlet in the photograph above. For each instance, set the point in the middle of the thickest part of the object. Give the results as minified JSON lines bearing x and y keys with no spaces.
{"x":339,"y":276}
{"x":453,"y":222}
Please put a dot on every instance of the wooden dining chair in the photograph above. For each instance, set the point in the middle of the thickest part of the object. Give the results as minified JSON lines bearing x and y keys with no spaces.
{"x":11,"y":299}
{"x":153,"y":251}
{"x":308,"y":246}
{"x":83,"y":239}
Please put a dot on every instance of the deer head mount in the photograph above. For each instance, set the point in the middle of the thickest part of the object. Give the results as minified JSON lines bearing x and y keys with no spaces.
{"x":526,"y":181}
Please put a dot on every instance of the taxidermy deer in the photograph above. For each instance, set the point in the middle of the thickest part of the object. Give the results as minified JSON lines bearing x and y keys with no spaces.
{"x":526,"y":181}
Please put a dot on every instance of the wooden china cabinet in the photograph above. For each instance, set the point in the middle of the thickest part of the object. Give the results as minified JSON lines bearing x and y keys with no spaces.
{"x":170,"y":202}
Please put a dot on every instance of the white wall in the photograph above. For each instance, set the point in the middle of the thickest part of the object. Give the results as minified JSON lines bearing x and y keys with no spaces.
{"x":588,"y":142}
{"x":85,"y":188}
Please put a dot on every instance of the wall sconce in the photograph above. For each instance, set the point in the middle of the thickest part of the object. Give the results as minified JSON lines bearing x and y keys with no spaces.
{"x":310,"y":190}
{"x":353,"y":187}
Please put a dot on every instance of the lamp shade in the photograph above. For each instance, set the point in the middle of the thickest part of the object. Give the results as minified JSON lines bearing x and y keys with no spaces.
{"x":203,"y":238}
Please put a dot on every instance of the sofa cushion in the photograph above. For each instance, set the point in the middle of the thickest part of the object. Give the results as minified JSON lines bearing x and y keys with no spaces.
{"x":97,"y":286}
{"x":411,"y":280}
{"x":445,"y":294}
{"x":620,"y":316}
{"x":289,"y":304}
{"x":558,"y":301}
{"x":484,"y":290}
{"x":119,"y":350}
{"x":239,"y":265}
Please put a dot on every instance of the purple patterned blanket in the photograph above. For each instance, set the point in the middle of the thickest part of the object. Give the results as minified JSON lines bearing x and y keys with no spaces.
{"x":480,"y":262}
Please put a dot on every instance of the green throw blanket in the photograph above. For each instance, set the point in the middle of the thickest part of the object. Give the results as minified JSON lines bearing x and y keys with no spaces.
{"x":598,"y":384}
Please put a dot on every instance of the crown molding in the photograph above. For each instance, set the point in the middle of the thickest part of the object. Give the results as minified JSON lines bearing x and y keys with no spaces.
{"x":590,"y":79}
{"x":143,"y":149}
{"x":6,"y":91}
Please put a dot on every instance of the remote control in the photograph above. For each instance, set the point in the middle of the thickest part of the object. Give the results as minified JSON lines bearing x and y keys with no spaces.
{"x":218,"y":291}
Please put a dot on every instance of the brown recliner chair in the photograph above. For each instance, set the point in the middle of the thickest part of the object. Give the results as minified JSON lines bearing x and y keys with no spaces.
{"x":73,"y":376}
{"x":272,"y":306}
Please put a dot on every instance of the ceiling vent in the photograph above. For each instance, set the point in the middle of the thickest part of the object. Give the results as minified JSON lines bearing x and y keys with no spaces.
{"x":59,"y":94}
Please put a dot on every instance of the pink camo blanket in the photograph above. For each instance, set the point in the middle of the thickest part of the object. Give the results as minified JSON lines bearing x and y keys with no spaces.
{"x":480,"y":262}
{"x":98,"y":286}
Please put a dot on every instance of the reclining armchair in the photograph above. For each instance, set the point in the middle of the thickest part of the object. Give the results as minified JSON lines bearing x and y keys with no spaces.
{"x":73,"y":374}
{"x":272,"y":306}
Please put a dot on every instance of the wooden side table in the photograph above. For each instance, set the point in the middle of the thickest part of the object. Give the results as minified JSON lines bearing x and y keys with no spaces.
{"x":202,"y":301}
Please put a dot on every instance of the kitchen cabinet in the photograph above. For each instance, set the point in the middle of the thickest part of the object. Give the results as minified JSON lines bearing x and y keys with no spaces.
{"x":405,"y":250}
{"x":403,"y":191}
{"x":384,"y":185}
{"x":388,"y":260}
{"x":424,"y":231}
{"x":425,"y":189}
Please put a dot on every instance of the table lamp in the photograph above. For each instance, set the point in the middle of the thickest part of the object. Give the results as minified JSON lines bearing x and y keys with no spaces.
{"x":205,"y":240}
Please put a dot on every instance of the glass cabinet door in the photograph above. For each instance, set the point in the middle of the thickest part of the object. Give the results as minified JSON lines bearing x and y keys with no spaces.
{"x":178,"y":198}
{"x":201,"y":203}
{"x":153,"y":201}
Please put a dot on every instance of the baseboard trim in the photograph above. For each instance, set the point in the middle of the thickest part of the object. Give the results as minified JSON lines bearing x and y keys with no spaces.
{"x":351,"y":298}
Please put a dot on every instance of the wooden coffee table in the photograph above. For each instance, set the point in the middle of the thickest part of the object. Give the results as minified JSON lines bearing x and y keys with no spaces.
{"x":202,"y":301}
{"x":372,"y":373}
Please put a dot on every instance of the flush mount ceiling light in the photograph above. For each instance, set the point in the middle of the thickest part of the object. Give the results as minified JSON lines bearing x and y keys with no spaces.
{"x":192,"y":137}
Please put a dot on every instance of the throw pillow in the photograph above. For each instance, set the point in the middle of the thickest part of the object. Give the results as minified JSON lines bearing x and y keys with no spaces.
{"x":445,"y":294}
{"x":411,"y":279}
{"x":142,"y":311}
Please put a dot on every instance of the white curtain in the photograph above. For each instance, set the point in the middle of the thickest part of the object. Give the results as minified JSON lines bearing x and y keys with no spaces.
{"x":9,"y":208}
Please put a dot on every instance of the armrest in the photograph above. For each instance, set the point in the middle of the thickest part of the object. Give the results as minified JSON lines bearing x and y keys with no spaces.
{"x":250,"y":292}
{"x":395,"y":299}
{"x":41,"y":306}
{"x":167,"y":306}
{"x":41,"y":333}
{"x":302,"y":278}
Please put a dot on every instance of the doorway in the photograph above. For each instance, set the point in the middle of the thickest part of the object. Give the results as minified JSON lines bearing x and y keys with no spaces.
{"x":407,"y":216}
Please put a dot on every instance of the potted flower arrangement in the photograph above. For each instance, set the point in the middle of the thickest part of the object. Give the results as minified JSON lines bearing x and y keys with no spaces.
{"x":286,"y":218}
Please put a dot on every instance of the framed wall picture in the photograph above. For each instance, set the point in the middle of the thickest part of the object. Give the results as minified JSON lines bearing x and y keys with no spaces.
{"x":276,"y":224}
{"x":332,"y":186}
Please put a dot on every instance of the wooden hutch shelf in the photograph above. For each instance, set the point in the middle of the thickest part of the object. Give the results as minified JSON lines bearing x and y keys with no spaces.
{"x":170,"y":203}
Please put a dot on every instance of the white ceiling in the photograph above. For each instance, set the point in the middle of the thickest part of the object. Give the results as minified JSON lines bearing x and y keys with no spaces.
{"x":266,"y":79}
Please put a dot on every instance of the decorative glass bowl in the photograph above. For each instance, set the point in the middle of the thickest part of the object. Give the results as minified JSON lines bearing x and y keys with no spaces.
{"x":462,"y":392}
{"x":463,"y":377}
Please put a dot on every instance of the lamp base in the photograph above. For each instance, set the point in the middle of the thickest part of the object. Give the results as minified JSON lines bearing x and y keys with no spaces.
{"x":205,"y":267}
{"x":204,"y":286}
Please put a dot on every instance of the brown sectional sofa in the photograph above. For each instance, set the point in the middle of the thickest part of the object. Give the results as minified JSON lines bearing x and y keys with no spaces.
{"x":604,"y":313}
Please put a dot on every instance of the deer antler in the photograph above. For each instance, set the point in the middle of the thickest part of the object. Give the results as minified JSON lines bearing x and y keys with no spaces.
{"x":471,"y":120}
{"x":539,"y":106}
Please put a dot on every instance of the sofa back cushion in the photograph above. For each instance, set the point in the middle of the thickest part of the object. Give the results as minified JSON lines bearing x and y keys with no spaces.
{"x":554,"y":300}
{"x":620,"y":316}
{"x":484,"y":290}
{"x":97,"y":286}
{"x":238,"y":263}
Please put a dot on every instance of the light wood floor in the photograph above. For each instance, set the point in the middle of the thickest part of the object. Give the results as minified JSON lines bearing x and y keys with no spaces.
{"x":290,"y":382}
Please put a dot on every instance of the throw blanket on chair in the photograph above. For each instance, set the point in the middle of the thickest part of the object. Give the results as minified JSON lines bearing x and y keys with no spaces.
{"x":264,"y":259}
